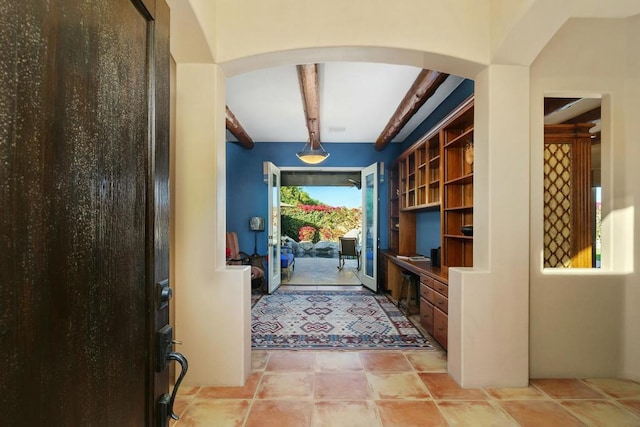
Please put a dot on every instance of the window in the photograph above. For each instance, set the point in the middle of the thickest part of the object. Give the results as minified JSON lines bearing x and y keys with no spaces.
{"x":572,"y":186}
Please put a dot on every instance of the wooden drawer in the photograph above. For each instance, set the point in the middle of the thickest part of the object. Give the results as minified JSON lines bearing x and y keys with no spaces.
{"x":426,"y":280}
{"x":426,"y":316}
{"x":426,"y":292}
{"x":441,"y":287}
{"x":440,"y":327}
{"x":441,"y":302}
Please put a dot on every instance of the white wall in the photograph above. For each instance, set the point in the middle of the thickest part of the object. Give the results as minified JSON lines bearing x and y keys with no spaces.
{"x":461,"y":28}
{"x":212,"y":301}
{"x":488,"y":306}
{"x":631,"y":308}
{"x":488,"y":325}
{"x":579,"y":323}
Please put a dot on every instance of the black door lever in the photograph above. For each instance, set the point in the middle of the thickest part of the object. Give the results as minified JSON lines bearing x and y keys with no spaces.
{"x":184,"y":365}
{"x":164,"y":355}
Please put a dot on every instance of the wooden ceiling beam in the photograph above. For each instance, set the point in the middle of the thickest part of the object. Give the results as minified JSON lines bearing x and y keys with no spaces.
{"x":236,"y":129}
{"x":423,"y":88}
{"x":309,"y":88}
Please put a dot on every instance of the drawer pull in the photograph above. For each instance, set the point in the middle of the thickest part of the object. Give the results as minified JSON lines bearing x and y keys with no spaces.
{"x":440,"y":302}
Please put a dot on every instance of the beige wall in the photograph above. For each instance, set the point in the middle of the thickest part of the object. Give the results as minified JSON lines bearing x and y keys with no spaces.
{"x":213,"y":302}
{"x":631,"y":308}
{"x":456,"y":28}
{"x":489,"y":328}
{"x":581,"y":323}
{"x":488,"y":305}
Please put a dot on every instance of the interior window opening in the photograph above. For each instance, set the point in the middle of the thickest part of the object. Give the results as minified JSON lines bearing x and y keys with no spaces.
{"x":572,"y":183}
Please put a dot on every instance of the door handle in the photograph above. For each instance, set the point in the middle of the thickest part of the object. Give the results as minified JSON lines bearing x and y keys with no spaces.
{"x":165,"y":355}
{"x":166,"y":401}
{"x":184,"y":366}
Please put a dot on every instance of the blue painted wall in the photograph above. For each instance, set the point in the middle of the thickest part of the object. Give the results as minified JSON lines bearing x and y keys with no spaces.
{"x":427,"y":231}
{"x":247,"y":192}
{"x":462,"y":92}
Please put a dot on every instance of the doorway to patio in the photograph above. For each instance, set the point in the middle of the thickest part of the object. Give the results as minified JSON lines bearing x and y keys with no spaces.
{"x":317,"y":208}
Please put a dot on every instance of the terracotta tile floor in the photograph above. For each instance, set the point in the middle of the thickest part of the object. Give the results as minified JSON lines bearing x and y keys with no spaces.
{"x":397,"y":388}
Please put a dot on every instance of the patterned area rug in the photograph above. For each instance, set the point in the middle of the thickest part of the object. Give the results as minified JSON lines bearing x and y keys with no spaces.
{"x":331,"y":319}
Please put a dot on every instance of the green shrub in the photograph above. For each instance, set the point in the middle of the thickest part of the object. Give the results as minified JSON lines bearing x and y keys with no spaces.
{"x":329,"y":223}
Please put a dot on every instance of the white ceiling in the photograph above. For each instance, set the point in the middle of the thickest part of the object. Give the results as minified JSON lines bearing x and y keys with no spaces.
{"x":356,"y":101}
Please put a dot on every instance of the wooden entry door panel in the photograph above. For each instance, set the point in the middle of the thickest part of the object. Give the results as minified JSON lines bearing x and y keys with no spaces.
{"x":84,"y":218}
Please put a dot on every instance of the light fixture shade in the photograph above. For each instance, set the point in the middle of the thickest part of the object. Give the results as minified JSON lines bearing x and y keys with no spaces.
{"x":312,"y":157}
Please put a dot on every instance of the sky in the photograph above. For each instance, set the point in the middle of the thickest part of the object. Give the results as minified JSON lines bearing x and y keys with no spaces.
{"x":349,"y":197}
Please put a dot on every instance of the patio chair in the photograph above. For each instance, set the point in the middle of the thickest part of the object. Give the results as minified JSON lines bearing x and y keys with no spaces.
{"x":348,"y":249}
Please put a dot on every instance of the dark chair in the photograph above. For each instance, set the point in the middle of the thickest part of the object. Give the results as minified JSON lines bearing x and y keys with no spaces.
{"x":409,"y":295}
{"x":348,"y":249}
{"x":237,"y":257}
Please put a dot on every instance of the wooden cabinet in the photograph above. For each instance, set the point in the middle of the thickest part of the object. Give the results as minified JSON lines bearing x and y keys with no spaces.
{"x":440,"y":327}
{"x":415,"y":181}
{"x":426,"y":316}
{"x":457,"y":206}
{"x":434,"y":306}
{"x":419,"y":174}
{"x":568,"y":208}
{"x":435,"y":172}
{"x":402,"y":225}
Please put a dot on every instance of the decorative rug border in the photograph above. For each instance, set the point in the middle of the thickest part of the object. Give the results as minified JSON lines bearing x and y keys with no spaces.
{"x":414,"y":341}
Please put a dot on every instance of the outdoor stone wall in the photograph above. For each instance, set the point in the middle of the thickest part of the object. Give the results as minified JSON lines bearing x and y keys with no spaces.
{"x":322,"y":249}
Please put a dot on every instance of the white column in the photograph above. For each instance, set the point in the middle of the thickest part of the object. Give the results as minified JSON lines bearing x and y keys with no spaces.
{"x":489,"y":303}
{"x":213,"y":302}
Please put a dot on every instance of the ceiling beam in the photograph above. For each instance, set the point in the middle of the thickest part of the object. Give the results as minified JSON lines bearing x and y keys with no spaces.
{"x":309,"y":88}
{"x":423,"y":88}
{"x":236,"y":129}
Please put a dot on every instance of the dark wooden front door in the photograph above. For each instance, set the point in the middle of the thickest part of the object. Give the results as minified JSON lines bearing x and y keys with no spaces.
{"x":84,"y":117}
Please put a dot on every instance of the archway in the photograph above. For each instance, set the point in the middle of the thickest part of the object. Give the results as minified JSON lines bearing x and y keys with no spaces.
{"x":211,"y":289}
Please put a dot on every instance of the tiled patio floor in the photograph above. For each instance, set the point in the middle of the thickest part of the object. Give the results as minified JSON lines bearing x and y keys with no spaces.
{"x":322,"y":271}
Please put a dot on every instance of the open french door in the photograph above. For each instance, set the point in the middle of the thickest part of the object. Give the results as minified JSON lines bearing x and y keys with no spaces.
{"x":273,"y":181}
{"x":369,"y":244}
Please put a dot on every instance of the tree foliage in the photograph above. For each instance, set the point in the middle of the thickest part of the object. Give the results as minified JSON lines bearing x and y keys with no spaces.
{"x":296,"y":196}
{"x":310,"y":219}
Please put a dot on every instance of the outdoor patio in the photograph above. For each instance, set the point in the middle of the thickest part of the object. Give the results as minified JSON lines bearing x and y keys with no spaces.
{"x":322,"y":271}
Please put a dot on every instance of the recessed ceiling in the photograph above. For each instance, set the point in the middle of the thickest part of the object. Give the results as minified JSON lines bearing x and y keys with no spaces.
{"x":356,"y":101}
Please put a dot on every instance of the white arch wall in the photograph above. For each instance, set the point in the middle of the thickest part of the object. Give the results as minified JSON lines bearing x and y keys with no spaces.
{"x":588,"y":323}
{"x":489,"y":317}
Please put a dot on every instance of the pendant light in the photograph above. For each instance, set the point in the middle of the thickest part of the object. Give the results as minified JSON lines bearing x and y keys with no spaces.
{"x":312,"y":153}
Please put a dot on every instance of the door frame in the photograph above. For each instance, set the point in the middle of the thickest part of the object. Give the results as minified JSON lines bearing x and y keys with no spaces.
{"x":370,"y":281}
{"x":274,"y":226}
{"x":284,"y":169}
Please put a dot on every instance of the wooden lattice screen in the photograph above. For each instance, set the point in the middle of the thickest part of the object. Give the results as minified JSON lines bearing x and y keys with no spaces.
{"x":567,"y":196}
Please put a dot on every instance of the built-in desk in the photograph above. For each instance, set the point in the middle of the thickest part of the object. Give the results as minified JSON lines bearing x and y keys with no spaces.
{"x":434,"y":292}
{"x":395,"y":265}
